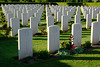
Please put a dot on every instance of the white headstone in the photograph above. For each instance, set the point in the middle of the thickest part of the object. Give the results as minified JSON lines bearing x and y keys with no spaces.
{"x":64,"y":23}
{"x":55,"y":13}
{"x":50,"y":21}
{"x":77,"y":33}
{"x":77,"y":19}
{"x":25,"y":43}
{"x":24,"y":19}
{"x":88,"y":21}
{"x":15,"y":13}
{"x":95,"y":33}
{"x":19,"y":15}
{"x":98,"y":18}
{"x":53,"y":38}
{"x":9,"y":15}
{"x":15,"y":25}
{"x":58,"y":16}
{"x":34,"y":25}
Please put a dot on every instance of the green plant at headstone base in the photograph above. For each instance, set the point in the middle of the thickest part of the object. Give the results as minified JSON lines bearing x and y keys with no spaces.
{"x":69,"y":48}
{"x":78,"y":50}
{"x":87,"y":44}
{"x":63,"y":53}
{"x":44,"y":54}
{"x":65,"y":45}
{"x":71,"y":36}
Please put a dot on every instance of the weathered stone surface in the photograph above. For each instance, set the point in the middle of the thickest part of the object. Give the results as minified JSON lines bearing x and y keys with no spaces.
{"x":36,"y":15}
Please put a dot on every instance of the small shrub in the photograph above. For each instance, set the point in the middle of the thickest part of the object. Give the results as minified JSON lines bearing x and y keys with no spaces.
{"x":63,"y":53}
{"x":77,"y":50}
{"x":66,"y":45}
{"x":69,"y":45}
{"x":43,"y":54}
{"x":87,"y":44}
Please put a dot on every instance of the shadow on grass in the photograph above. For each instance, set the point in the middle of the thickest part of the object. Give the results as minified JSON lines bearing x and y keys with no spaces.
{"x":86,"y":34}
{"x":64,"y":39}
{"x":42,"y":36}
{"x":83,"y":36}
{"x":25,"y":26}
{"x":92,"y":52}
{"x":39,"y":38}
{"x":42,"y":25}
{"x":65,"y":36}
{"x":82,"y":58}
{"x":94,"y":19}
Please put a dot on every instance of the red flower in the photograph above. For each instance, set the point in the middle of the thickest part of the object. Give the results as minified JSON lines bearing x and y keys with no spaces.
{"x":73,"y":47}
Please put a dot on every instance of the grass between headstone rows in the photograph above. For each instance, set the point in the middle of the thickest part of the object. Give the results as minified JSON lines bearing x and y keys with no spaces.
{"x":9,"y":50}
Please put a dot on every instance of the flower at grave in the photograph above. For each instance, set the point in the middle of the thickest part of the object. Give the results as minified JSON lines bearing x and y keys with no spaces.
{"x":73,"y":47}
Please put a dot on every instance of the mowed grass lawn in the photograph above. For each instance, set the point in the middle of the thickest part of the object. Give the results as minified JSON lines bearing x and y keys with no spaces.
{"x":9,"y":50}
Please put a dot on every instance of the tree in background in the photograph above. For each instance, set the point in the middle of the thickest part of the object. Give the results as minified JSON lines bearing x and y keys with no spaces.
{"x":51,"y":0}
{"x":6,"y":0}
{"x":33,"y":0}
{"x":98,"y":1}
{"x":89,"y":1}
{"x":14,"y":0}
{"x":38,"y":0}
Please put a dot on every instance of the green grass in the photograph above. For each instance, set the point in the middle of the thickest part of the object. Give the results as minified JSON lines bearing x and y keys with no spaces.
{"x":9,"y":50}
{"x":62,"y":3}
{"x":87,"y":3}
{"x":93,"y":4}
